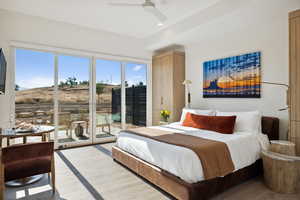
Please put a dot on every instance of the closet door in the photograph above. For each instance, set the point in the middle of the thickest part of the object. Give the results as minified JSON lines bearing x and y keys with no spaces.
{"x":295,"y":78}
{"x":179,"y":89}
{"x":295,"y":67}
{"x":156,"y":89}
{"x":167,"y":84}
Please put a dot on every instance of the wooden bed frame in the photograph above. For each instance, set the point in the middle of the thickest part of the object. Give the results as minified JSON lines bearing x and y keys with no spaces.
{"x":197,"y":191}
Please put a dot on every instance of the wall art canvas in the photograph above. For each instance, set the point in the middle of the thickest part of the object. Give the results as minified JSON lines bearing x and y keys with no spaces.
{"x":233,"y":77}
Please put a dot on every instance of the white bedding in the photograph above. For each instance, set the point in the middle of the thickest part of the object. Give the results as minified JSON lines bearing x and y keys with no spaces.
{"x":182,"y":162}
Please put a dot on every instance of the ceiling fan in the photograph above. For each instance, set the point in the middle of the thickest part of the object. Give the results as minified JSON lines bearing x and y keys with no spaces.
{"x":148,"y":5}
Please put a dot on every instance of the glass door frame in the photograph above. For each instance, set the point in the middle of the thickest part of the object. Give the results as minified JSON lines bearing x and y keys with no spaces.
{"x":94,"y":101}
{"x":92,"y":56}
{"x":123,"y":64}
{"x":56,"y":103}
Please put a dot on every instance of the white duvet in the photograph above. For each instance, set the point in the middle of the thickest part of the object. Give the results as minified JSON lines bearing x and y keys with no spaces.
{"x":244,"y":148}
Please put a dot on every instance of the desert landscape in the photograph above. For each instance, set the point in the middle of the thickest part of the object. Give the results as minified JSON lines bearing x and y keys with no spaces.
{"x":39,"y":102}
{"x":36,"y":105}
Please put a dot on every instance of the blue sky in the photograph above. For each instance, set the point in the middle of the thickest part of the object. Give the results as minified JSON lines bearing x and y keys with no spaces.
{"x":36,"y":69}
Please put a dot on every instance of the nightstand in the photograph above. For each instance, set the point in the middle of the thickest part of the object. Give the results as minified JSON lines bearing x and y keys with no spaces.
{"x":283,"y":147}
{"x":281,"y":167}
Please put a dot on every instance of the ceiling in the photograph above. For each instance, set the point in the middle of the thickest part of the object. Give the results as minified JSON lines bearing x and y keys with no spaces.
{"x":224,"y":18}
{"x":97,"y":14}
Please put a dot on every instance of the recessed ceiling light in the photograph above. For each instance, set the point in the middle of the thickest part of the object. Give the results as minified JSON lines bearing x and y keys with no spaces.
{"x":160,"y":24}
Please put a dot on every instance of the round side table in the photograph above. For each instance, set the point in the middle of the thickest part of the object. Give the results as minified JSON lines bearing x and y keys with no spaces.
{"x":281,"y":172}
{"x":283,"y":147}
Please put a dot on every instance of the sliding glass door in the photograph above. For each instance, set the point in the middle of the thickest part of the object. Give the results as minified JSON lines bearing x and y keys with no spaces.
{"x":136,"y":94}
{"x":107,"y":99}
{"x":34,"y":89}
{"x":86,"y":100}
{"x":73,"y":97}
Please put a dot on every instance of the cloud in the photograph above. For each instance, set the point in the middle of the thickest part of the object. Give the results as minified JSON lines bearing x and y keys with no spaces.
{"x":134,"y":80}
{"x":36,"y":82}
{"x":137,"y":68}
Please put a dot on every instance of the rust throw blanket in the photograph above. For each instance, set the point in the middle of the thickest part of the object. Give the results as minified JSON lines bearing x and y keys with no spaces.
{"x":214,"y":155}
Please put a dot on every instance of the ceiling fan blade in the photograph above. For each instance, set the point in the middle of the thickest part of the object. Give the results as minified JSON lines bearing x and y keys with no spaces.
{"x":125,"y":4}
{"x":161,"y":17}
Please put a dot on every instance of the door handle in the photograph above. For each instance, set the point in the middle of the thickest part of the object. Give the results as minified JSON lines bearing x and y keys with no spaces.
{"x":161,"y":100}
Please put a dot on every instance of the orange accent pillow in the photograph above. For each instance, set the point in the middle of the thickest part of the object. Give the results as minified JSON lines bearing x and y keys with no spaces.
{"x":221,"y":124}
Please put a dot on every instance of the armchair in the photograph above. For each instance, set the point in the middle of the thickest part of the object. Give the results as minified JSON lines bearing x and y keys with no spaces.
{"x":21,"y":161}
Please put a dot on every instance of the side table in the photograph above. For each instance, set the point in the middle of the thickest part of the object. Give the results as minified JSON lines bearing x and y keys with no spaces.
{"x":283,"y":147}
{"x":281,"y":172}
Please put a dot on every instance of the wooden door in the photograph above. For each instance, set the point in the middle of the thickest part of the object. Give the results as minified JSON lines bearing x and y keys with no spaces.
{"x":179,"y":89}
{"x":166,"y":86}
{"x":294,"y":70}
{"x":295,"y":66}
{"x":156,"y":89}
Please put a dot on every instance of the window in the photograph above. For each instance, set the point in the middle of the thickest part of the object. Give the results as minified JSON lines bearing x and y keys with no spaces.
{"x":95,"y":98}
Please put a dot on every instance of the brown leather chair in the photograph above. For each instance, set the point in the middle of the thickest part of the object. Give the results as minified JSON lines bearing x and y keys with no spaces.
{"x":25,"y":160}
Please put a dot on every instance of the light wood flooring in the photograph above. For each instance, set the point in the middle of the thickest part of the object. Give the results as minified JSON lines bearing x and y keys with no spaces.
{"x":89,"y":173}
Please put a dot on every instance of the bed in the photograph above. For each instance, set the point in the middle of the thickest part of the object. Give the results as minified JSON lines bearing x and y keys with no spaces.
{"x":180,"y":172}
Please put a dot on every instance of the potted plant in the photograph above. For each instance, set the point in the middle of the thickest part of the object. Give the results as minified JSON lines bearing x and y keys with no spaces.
{"x":165,"y":115}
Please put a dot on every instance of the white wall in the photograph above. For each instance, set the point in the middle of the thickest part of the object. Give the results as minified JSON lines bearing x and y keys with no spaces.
{"x":18,"y":27}
{"x":272,"y":40}
{"x":230,"y":28}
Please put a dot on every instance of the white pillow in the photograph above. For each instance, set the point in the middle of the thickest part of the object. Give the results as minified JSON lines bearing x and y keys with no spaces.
{"x":245,"y":121}
{"x":196,"y":112}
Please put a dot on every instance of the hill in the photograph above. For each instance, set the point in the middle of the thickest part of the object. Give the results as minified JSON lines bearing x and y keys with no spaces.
{"x":75,"y":94}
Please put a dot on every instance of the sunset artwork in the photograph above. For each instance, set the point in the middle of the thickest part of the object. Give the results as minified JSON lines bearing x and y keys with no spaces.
{"x":233,"y":77}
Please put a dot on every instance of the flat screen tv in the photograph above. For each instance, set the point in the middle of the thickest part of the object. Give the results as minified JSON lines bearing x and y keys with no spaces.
{"x":2,"y":72}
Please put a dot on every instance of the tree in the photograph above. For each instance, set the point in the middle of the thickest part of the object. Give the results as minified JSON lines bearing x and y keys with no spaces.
{"x":61,"y":84}
{"x":71,"y":81}
{"x":83,"y":82}
{"x":126,"y":84}
{"x":17,"y":87}
{"x":141,"y":83}
{"x":99,"y":90}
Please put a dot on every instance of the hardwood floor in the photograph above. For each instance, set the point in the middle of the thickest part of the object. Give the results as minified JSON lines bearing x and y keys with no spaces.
{"x":90,"y":173}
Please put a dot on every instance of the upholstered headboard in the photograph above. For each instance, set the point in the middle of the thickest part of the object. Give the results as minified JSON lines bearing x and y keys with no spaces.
{"x":270,"y":127}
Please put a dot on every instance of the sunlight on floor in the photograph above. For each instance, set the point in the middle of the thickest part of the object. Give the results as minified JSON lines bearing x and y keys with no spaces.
{"x":34,"y":190}
{"x":20,"y":194}
{"x":39,"y":189}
